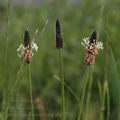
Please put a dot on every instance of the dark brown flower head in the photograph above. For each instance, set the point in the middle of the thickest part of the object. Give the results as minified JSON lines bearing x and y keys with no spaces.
{"x":93,"y":37}
{"x":59,"y":37}
{"x":27,"y":45}
{"x":26,"y":39}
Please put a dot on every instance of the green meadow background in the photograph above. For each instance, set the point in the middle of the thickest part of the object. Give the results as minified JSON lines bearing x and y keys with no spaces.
{"x":78,"y":19}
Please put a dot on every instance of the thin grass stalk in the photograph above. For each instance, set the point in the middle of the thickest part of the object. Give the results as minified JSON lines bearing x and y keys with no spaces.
{"x":30,"y":87}
{"x":106,"y":78}
{"x":103,"y":100}
{"x":99,"y":89}
{"x":16,"y":80}
{"x":72,"y":92}
{"x":6,"y":61}
{"x":100,"y":19}
{"x":44,"y":28}
{"x":7,"y":32}
{"x":103,"y":107}
{"x":108,"y":104}
{"x":12,"y":89}
{"x":100,"y":93}
{"x":62,"y":84}
{"x":83,"y":97}
{"x":69,"y":88}
{"x":89,"y":92}
{"x":105,"y":96}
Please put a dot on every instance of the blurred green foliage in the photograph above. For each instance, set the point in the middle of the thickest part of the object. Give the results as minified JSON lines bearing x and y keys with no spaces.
{"x":78,"y":20}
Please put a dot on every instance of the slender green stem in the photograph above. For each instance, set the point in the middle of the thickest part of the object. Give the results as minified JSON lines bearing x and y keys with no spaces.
{"x":5,"y":92}
{"x":108,"y":104}
{"x":83,"y":96}
{"x":103,"y":103}
{"x":89,"y":93}
{"x":100,"y":94}
{"x":69,"y":88}
{"x":62,"y":85}
{"x":30,"y":85}
{"x":105,"y":96}
{"x":99,"y":89}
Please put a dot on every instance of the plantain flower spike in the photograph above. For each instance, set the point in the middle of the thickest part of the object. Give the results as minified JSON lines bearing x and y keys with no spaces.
{"x":59,"y":37}
{"x":91,"y":48}
{"x":26,"y":49}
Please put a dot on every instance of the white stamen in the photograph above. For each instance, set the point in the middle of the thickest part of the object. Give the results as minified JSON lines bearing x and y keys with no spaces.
{"x":21,"y":49}
{"x":86,"y":43}
{"x":34,"y":46}
{"x":99,"y":45}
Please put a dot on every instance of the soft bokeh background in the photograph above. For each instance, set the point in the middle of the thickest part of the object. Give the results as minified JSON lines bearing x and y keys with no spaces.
{"x":78,"y":19}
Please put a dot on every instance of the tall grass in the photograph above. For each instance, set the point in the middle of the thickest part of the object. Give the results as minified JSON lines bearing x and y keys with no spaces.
{"x":5,"y":92}
{"x":86,"y":79}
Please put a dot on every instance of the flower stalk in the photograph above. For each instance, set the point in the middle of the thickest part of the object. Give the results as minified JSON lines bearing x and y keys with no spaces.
{"x":25,"y":51}
{"x":89,"y":90}
{"x":27,"y":55}
{"x":91,"y":51}
{"x":30,"y":87}
{"x":59,"y":45}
